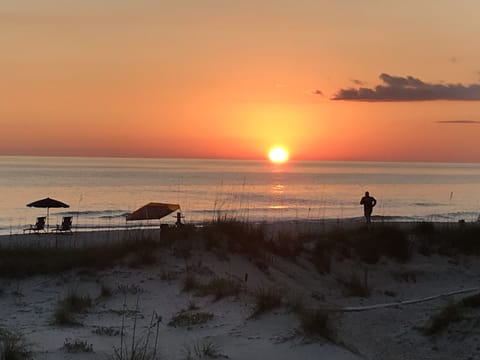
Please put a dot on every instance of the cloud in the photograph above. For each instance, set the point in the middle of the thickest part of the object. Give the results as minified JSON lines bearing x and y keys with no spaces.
{"x":397,"y":88}
{"x":317,"y":92}
{"x":457,"y":122}
{"x":357,"y":82}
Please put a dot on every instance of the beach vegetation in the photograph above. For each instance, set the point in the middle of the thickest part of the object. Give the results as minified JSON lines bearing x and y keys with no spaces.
{"x":141,"y":346}
{"x":353,"y":286}
{"x":13,"y":346}
{"x":105,"y":291}
{"x":316,"y":323}
{"x":131,"y":289}
{"x":237,"y":236}
{"x":69,"y":306}
{"x":266,"y":299}
{"x":190,"y":282}
{"x":77,"y":346}
{"x":29,"y":261}
{"x":106,"y":331}
{"x":451,"y":313}
{"x":286,"y":245}
{"x":204,"y":349}
{"x":220,"y":288}
{"x":189,"y":318}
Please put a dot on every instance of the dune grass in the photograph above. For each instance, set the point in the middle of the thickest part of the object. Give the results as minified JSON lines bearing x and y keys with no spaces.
{"x":70,"y":305}
{"x":13,"y":346}
{"x":23,"y":262}
{"x":266,"y":299}
{"x":452,"y":313}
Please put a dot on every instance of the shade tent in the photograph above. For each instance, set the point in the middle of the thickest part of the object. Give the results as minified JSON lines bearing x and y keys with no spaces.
{"x":153,"y":211}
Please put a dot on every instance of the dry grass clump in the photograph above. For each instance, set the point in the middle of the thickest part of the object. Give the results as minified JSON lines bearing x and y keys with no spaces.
{"x":353,"y":286}
{"x":266,"y":299}
{"x":77,"y":346}
{"x":315,"y":323}
{"x":218,"y":287}
{"x":190,"y":318}
{"x":13,"y":346}
{"x":453,"y":312}
{"x":21,"y":262}
{"x":203,"y":350}
{"x":236,"y":236}
{"x":69,"y":306}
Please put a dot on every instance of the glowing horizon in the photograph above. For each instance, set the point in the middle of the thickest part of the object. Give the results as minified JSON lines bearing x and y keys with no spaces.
{"x":143,"y":79}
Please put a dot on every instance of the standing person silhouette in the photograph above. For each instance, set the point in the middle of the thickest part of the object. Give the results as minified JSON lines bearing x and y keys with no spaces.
{"x":368,"y":203}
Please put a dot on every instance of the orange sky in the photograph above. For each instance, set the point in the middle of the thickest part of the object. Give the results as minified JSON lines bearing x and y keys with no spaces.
{"x":217,"y":78}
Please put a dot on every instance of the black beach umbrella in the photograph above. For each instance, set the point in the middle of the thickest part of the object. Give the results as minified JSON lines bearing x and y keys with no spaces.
{"x":48,"y":203}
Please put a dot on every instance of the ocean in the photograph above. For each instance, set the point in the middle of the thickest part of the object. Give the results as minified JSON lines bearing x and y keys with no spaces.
{"x":101,"y":191}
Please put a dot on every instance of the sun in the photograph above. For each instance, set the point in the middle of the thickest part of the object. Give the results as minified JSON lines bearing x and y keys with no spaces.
{"x":278,"y":155}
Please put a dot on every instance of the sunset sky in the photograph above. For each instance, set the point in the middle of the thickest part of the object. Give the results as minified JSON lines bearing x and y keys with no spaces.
{"x":329,"y":80}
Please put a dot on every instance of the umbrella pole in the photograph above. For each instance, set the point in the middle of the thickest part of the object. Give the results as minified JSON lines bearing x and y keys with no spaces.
{"x":48,"y":220}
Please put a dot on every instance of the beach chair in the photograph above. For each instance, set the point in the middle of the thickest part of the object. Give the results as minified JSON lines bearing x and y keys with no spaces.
{"x":39,"y":225}
{"x":65,"y":226}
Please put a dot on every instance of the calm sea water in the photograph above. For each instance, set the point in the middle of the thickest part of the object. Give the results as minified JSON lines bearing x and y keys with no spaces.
{"x":100,"y":191}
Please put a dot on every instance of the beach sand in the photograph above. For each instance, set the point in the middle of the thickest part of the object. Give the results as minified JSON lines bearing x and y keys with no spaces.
{"x":141,"y":295}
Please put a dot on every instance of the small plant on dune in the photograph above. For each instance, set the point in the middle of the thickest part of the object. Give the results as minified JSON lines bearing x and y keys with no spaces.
{"x":266,"y":299}
{"x":239,"y":236}
{"x":186,"y":318}
{"x":105,"y":291}
{"x":353,"y":286}
{"x":437,"y":323}
{"x":190,"y":282}
{"x":106,"y":331}
{"x":203,"y":350}
{"x":70,"y":305}
{"x":132,"y":289}
{"x":220,"y":287}
{"x":287,"y":245}
{"x":322,"y":255}
{"x":140,"y":347}
{"x":13,"y":346}
{"x":453,"y":312}
{"x":316,"y":323}
{"x":76,"y":346}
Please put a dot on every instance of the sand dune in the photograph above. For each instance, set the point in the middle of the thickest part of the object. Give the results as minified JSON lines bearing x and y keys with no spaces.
{"x":140,"y":295}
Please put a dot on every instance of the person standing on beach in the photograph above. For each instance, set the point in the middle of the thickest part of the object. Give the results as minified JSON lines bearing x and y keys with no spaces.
{"x":368,"y":203}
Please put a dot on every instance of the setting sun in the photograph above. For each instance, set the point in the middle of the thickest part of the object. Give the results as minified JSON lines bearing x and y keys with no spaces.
{"x":278,"y":155}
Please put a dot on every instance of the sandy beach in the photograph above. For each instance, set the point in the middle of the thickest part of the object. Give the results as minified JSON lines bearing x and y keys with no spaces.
{"x":159,"y":302}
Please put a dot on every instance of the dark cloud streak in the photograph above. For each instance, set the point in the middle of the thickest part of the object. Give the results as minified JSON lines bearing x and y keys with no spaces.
{"x":396,"y":88}
{"x":457,"y":122}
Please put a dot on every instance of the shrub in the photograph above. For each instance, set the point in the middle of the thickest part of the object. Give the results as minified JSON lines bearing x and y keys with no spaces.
{"x":220,"y":288}
{"x":353,"y":286}
{"x":105,"y":291}
{"x":453,"y":312}
{"x":185,"y":318}
{"x":77,"y":346}
{"x":266,"y":299}
{"x":322,"y":255}
{"x":317,"y":323}
{"x":13,"y":346}
{"x":437,"y":323}
{"x":21,"y":262}
{"x":287,"y":246}
{"x":71,"y":304}
{"x":203,"y":350}
{"x":190,"y":282}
